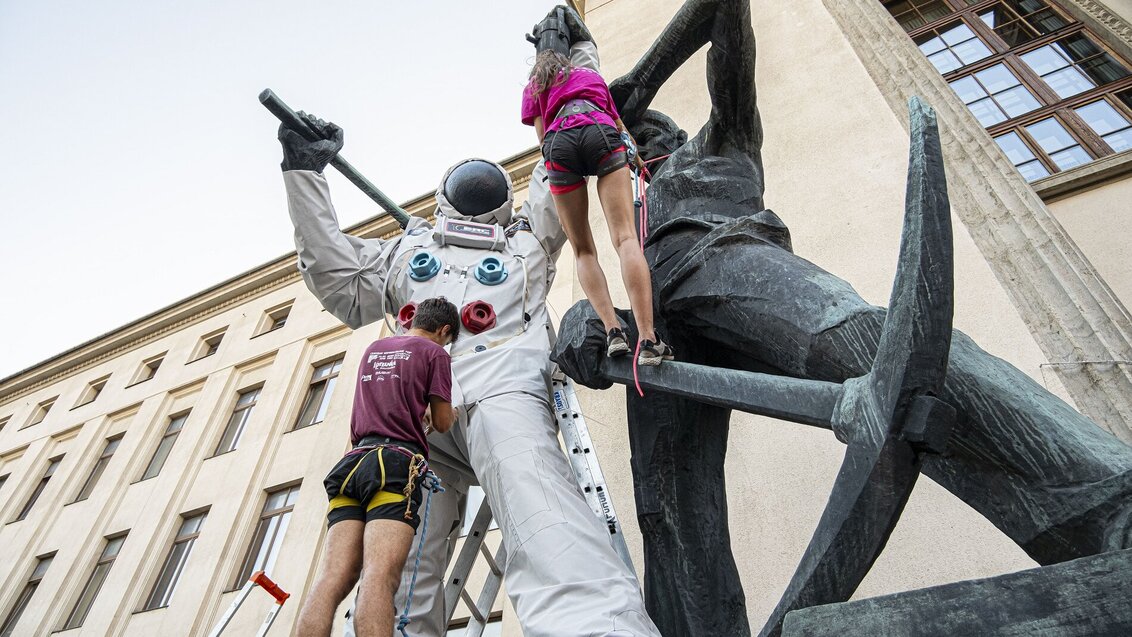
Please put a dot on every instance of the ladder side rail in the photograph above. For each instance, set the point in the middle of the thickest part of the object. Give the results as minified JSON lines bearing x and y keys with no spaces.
{"x":587,"y":469}
{"x":458,"y":579}
{"x":231,"y":612}
{"x":269,"y":620}
{"x":491,"y":587}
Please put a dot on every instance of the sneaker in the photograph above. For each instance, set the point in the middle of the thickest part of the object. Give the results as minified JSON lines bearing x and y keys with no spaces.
{"x":653,"y":353}
{"x":615,"y":343}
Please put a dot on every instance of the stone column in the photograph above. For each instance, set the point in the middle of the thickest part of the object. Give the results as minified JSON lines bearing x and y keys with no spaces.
{"x":1080,"y":325}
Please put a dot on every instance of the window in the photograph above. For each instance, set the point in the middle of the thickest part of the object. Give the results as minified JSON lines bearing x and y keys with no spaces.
{"x":1046,"y":89}
{"x":274,"y":318}
{"x":41,"y":411}
{"x":4,"y":422}
{"x":94,"y":583}
{"x":175,"y":562}
{"x":3,"y":479}
{"x":99,"y":467}
{"x":52,"y":465}
{"x":92,"y":391}
{"x":268,"y":533}
{"x":9,"y":626}
{"x":318,"y":395}
{"x":237,"y":421}
{"x":209,"y":345}
{"x":149,"y":369}
{"x":172,"y":430}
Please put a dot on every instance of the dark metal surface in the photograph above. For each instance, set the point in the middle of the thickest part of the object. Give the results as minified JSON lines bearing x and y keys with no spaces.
{"x":1086,"y":597}
{"x":731,"y":294}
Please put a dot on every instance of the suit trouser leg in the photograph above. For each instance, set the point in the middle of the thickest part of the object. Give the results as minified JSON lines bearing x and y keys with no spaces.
{"x":561,"y":574}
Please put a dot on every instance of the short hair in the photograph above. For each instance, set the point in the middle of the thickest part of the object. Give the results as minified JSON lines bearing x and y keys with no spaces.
{"x":433,"y":314}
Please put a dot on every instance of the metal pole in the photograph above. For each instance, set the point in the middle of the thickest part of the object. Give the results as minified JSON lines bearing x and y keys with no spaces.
{"x":291,"y":120}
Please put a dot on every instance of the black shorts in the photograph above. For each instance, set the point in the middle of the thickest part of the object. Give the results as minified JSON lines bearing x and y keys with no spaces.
{"x":575,"y":153}
{"x":374,"y":485}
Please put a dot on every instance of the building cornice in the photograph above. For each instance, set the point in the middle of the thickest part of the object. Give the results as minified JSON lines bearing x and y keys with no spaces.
{"x":200,"y":306}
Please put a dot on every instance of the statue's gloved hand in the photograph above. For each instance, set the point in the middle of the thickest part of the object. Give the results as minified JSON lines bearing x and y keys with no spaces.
{"x":580,"y":348}
{"x":300,"y":154}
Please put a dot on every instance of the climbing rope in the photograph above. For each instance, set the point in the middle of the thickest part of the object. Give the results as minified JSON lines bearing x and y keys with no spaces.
{"x":642,"y":210}
{"x":432,"y":483}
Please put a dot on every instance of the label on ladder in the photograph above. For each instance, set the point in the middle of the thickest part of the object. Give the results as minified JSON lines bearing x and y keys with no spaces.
{"x":583,"y":459}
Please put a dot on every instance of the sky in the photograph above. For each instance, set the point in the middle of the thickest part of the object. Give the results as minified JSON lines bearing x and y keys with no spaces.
{"x":138,"y":168}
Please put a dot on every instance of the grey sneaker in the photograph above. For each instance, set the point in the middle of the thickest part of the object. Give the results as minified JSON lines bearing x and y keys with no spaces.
{"x":652,"y":354}
{"x":615,"y":343}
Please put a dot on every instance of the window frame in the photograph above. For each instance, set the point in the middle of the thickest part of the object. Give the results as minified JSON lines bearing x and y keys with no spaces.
{"x":75,"y":619}
{"x":270,"y":321}
{"x":93,"y":390}
{"x":209,"y":344}
{"x":251,"y":561}
{"x":40,"y":487}
{"x":28,"y":591}
{"x":148,"y":369}
{"x":99,"y":467}
{"x":166,"y":435}
{"x":324,"y":387}
{"x":39,"y":414}
{"x":1051,"y":104}
{"x":181,"y":538}
{"x":241,"y":413}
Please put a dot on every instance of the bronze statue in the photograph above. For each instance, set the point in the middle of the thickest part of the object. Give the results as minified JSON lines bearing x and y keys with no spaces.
{"x":731,"y":295}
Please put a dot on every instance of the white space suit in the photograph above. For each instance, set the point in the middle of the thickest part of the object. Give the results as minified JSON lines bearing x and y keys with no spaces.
{"x":562,"y":575}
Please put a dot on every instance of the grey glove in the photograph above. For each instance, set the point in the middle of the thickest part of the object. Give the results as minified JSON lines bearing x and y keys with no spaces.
{"x":300,"y":154}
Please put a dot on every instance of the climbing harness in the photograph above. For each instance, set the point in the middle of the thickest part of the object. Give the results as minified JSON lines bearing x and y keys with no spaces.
{"x":431,"y":483}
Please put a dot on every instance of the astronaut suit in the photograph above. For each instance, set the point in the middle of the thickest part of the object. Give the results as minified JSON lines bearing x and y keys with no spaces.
{"x":561,"y":572}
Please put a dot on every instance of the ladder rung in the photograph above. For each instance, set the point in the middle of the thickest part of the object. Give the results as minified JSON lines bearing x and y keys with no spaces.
{"x":474,"y":610}
{"x":491,"y":563}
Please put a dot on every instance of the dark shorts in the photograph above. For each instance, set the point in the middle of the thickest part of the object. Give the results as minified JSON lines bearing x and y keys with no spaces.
{"x":373,"y":484}
{"x":575,"y":153}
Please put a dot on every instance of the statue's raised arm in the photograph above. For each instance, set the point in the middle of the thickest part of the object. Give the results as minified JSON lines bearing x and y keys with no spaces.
{"x":726,"y":25}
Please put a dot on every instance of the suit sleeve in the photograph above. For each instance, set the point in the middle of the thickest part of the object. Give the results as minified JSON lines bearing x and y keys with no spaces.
{"x":346,"y":274}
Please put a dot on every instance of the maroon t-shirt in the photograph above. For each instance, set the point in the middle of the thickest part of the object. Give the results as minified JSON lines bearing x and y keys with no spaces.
{"x":395,"y":380}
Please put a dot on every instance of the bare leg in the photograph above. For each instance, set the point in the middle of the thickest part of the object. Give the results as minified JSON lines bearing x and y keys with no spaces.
{"x":387,"y":545}
{"x":338,"y":573}
{"x":615,"y":193}
{"x":573,"y":211}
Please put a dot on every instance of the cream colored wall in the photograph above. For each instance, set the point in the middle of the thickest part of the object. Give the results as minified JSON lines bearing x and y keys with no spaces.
{"x":1094,"y":219}
{"x":836,"y":159}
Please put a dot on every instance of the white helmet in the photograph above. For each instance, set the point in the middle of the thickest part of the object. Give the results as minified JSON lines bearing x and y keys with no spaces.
{"x":478,"y":190}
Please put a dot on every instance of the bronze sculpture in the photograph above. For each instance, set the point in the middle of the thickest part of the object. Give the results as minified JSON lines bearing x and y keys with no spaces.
{"x":731,"y":294}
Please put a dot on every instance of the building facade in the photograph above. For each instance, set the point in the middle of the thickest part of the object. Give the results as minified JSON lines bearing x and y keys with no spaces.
{"x":146,"y":473}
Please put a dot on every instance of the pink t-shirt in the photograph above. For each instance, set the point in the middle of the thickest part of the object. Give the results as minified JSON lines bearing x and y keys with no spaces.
{"x":583,"y":84}
{"x":395,"y":380}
